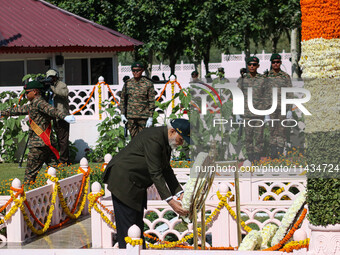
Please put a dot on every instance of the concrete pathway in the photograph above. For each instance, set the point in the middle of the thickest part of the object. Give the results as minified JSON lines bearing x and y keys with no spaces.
{"x":75,"y":236}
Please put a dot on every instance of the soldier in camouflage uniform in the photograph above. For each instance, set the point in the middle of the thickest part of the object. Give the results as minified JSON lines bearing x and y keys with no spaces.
{"x":220,"y":77}
{"x":278,"y":79}
{"x":140,"y":104}
{"x":253,"y":135}
{"x":41,"y":142}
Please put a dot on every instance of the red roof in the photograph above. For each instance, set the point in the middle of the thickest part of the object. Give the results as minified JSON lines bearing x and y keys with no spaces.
{"x":38,"y":26}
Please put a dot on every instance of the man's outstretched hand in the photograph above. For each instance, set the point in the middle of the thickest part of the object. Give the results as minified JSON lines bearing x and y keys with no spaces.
{"x":177,"y":207}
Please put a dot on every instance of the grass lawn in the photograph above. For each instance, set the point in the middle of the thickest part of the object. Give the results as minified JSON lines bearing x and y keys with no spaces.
{"x":9,"y":171}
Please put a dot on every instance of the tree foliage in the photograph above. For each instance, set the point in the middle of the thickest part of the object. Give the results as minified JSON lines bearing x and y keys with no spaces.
{"x":172,"y":29}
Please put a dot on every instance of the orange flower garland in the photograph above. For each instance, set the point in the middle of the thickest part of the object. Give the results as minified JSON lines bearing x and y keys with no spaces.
{"x":290,"y":233}
{"x":318,"y":21}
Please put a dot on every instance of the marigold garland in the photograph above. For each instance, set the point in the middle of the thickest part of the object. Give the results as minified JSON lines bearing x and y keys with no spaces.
{"x":230,"y":210}
{"x":320,"y":19}
{"x":133,"y":242}
{"x":93,"y":203}
{"x":19,"y":203}
{"x":295,"y":245}
{"x":100,"y":99}
{"x":15,"y":207}
{"x":290,"y":233}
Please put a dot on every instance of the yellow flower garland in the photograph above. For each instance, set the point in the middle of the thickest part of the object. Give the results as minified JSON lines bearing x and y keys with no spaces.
{"x":223,"y":202}
{"x":172,"y":93}
{"x":49,"y":216}
{"x":133,"y":242}
{"x":100,"y":100}
{"x":295,"y":245}
{"x":14,"y":208}
{"x":230,"y":210}
{"x":93,"y":198}
{"x":64,"y":204}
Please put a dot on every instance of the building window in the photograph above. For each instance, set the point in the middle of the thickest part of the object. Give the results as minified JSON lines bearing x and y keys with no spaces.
{"x":11,"y":73}
{"x":38,"y":66}
{"x":76,"y":72}
{"x":101,"y":67}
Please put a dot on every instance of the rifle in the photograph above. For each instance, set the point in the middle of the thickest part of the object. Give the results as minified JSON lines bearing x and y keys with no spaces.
{"x":125,"y":110}
{"x":23,"y":154}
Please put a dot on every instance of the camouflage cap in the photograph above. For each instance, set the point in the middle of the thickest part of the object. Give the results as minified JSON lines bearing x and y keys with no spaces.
{"x":253,"y":59}
{"x":33,"y":85}
{"x":275,"y":56}
{"x":137,"y":64}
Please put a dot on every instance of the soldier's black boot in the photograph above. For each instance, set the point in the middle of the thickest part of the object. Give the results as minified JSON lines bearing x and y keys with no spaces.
{"x":273,"y":152}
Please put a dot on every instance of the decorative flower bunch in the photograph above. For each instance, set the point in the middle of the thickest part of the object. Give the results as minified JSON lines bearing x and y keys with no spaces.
{"x":251,"y":242}
{"x":289,"y":217}
{"x":295,"y":245}
{"x":316,"y":12}
{"x":267,"y":233}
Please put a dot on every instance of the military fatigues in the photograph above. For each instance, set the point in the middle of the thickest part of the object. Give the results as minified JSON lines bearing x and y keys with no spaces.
{"x":41,"y":113}
{"x":254,"y":135}
{"x":140,"y":105}
{"x":61,"y":127}
{"x":277,"y":133}
{"x":219,"y":81}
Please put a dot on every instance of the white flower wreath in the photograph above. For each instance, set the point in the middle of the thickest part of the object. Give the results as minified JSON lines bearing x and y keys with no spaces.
{"x":251,"y":242}
{"x":267,"y":233}
{"x":289,"y":217}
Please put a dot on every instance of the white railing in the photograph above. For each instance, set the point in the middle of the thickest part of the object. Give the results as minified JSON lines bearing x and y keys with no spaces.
{"x":39,"y":200}
{"x":78,"y":95}
{"x":257,"y":210}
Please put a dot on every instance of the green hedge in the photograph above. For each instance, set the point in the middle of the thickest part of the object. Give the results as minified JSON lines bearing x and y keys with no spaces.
{"x":323,"y":188}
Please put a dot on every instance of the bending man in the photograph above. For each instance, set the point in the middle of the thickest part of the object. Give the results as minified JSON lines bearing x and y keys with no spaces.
{"x":143,"y":162}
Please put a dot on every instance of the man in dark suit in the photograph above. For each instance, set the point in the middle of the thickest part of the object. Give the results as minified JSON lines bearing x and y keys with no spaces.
{"x":143,"y":162}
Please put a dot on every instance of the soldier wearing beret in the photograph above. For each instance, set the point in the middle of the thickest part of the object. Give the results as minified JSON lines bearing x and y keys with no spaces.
{"x":137,"y":101}
{"x":278,"y":79}
{"x":253,"y":135}
{"x":41,"y":142}
{"x":220,"y":77}
{"x":194,"y":77}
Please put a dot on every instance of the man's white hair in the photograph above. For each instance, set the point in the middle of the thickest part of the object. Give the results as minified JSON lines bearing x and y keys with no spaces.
{"x":168,"y":124}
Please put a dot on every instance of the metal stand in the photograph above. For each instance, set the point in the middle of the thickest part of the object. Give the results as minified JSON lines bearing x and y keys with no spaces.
{"x":203,"y":229}
{"x":238,"y":207}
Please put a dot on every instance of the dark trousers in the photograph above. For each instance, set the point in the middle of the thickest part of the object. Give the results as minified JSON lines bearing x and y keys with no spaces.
{"x":62,"y":130}
{"x":125,"y":217}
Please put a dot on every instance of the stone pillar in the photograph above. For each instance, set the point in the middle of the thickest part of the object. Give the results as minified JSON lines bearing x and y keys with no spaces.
{"x":57,"y":210}
{"x":107,"y":159}
{"x":96,"y":221}
{"x":84,"y":164}
{"x":16,"y":224}
{"x":134,"y":232}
